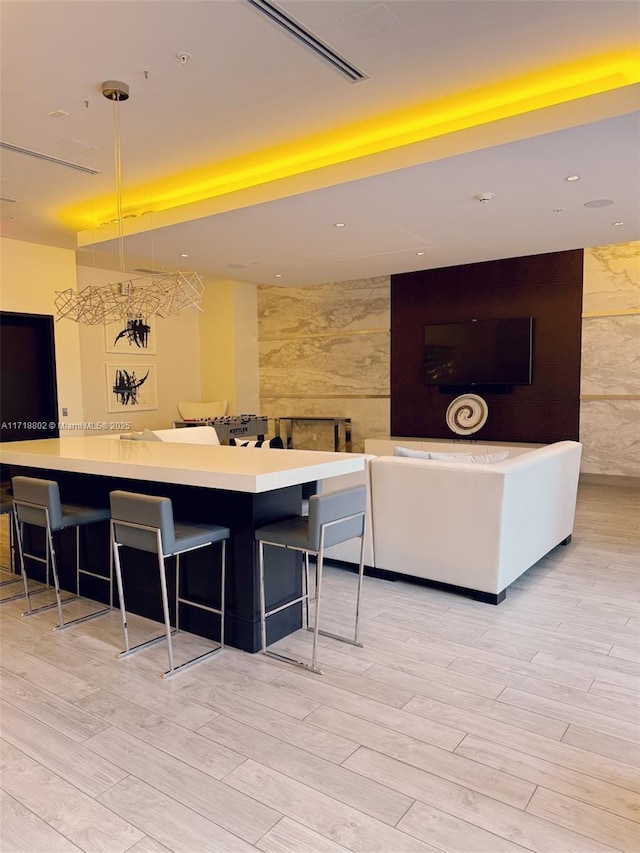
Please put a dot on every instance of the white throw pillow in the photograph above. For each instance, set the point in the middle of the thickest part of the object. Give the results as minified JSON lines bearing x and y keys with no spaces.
{"x":415,"y":454}
{"x":451,"y":457}
{"x":489,"y":458}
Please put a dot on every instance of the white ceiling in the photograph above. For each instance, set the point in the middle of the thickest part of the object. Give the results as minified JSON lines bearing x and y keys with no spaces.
{"x":248,"y":87}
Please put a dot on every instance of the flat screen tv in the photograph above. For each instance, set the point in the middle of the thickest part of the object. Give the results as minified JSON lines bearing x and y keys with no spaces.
{"x":479,"y":352}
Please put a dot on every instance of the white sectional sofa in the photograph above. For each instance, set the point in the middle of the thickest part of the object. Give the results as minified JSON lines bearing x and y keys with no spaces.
{"x":470,"y":525}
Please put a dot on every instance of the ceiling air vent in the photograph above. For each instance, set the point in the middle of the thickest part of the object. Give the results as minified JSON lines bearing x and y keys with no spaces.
{"x":293,"y":28}
{"x":18,"y":149}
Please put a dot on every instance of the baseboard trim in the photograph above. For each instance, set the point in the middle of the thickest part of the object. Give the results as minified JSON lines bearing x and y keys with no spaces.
{"x":617,"y":480}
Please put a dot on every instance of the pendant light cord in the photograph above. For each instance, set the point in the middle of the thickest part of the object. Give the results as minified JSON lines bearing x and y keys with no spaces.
{"x":149,"y":187}
{"x":118,"y":172}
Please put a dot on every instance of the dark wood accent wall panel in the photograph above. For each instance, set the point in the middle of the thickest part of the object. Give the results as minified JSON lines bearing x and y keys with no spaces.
{"x":545,"y":287}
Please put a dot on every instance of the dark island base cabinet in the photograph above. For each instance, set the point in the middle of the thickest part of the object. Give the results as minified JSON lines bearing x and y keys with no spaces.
{"x":241,"y":512}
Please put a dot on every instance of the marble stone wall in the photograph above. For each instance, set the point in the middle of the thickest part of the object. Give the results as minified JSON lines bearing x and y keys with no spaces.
{"x":610,"y":375}
{"x":324,"y":351}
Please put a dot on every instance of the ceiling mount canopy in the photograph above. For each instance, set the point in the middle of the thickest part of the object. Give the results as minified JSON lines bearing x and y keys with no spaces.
{"x":115,"y":90}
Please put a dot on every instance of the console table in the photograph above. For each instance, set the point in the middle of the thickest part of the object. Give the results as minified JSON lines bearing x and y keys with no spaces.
{"x":340,"y":425}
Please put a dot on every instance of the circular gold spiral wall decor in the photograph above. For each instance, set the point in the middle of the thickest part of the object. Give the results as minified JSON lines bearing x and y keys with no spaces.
{"x":467,"y":414}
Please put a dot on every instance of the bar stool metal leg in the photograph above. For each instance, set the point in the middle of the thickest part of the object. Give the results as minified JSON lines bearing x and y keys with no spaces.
{"x":263,"y":609}
{"x":128,"y":648}
{"x":316,"y":619}
{"x":165,"y":602}
{"x":179,"y":600}
{"x":198,"y":605}
{"x":115,"y":547}
{"x":265,"y":614}
{"x":18,"y":579}
{"x":12,"y":557}
{"x":49,"y":561}
{"x":355,"y":641}
{"x":94,"y":615}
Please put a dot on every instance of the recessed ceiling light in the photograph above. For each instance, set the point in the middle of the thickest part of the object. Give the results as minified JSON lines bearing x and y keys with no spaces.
{"x":339,"y":224}
{"x":419,"y":253}
{"x":278,"y":275}
{"x":572,"y":178}
{"x":619,"y":222}
{"x":599,"y":202}
{"x":184,"y":254}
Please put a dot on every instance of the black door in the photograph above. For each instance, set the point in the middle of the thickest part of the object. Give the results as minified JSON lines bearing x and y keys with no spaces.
{"x":28,"y":390}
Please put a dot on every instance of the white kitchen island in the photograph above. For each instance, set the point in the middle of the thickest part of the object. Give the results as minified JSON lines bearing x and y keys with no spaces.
{"x":242,"y":488}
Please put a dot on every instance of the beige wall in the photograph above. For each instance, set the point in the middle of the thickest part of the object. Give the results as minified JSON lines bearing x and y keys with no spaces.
{"x":229,"y":345}
{"x":177,"y":362}
{"x":30,"y":275}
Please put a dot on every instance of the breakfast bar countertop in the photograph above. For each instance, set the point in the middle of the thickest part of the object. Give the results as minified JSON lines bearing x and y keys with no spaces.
{"x":252,"y":470}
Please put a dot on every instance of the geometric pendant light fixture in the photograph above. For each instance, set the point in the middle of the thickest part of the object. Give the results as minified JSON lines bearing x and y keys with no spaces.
{"x":159,"y":294}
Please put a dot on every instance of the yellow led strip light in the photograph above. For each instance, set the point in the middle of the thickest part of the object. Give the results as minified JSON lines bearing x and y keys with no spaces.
{"x":511,"y":98}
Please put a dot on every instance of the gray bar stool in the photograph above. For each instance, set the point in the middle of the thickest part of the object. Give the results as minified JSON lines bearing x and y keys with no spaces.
{"x":145,"y":522}
{"x":37,"y":502}
{"x":333,"y":518}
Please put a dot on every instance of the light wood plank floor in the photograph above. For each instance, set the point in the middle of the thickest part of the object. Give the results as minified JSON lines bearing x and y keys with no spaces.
{"x":460,"y":727}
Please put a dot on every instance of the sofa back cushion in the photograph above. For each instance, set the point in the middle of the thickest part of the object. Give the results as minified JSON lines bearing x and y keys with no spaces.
{"x":386,"y":446}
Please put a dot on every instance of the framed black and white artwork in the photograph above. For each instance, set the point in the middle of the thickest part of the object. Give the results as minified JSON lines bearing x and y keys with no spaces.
{"x":135,"y":335}
{"x":131,"y":387}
